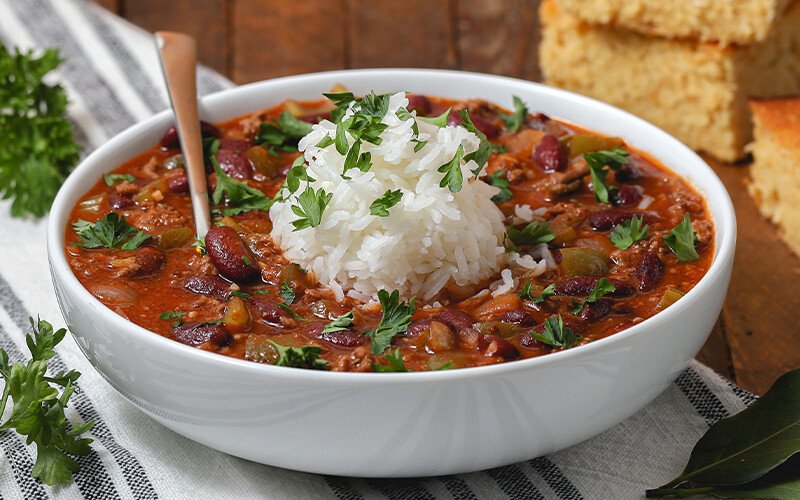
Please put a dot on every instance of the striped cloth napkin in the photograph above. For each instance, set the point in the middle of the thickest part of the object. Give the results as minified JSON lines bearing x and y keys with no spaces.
{"x":112,"y":76}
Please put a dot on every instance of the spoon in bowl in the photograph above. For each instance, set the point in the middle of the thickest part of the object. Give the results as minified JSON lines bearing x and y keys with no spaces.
{"x":178,"y":55}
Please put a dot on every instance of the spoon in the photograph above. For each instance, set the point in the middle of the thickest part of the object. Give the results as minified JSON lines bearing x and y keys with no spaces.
{"x":179,"y":65}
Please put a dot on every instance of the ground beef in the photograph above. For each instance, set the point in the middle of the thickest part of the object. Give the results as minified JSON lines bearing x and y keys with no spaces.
{"x":560,"y":183}
{"x":360,"y":360}
{"x":160,"y":215}
{"x":126,"y":188}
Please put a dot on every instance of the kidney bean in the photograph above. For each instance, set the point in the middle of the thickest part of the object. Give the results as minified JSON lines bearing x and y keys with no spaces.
{"x":419,"y":103}
{"x":120,"y":201}
{"x":627,"y":173}
{"x":455,"y":319}
{"x":649,"y":271}
{"x":213,"y":286}
{"x":418,"y":326}
{"x":596,"y":310}
{"x":178,"y":184}
{"x":170,"y":138}
{"x":550,"y":154}
{"x":499,"y":347}
{"x":344,"y":338}
{"x":517,"y":317}
{"x":622,"y":289}
{"x":238,"y":146}
{"x":606,"y":219}
{"x":229,"y":254}
{"x":195,"y":334}
{"x":234,"y":164}
{"x":315,"y":117}
{"x":628,"y":195}
{"x":150,"y":261}
{"x":527,"y":341}
{"x":485,"y":126}
{"x":581,"y":286}
{"x":269,"y":310}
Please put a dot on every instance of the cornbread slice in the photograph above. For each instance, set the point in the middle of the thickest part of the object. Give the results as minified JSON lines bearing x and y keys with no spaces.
{"x":696,"y":91}
{"x":775,"y":170}
{"x":723,"y":21}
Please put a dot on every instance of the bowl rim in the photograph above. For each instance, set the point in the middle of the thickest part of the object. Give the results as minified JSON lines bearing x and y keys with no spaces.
{"x":724,"y":229}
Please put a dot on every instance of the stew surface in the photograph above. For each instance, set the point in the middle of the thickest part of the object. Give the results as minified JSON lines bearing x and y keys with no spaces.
{"x":622,"y":238}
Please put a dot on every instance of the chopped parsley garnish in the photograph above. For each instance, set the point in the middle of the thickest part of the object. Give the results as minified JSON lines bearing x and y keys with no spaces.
{"x":396,"y":318}
{"x":38,"y":148}
{"x":176,"y":315}
{"x":534,"y":233}
{"x":440,"y":121}
{"x":287,"y":294}
{"x":200,"y":244}
{"x":283,"y":133}
{"x":111,"y":179}
{"x":396,"y":363}
{"x":446,"y":366}
{"x":238,"y":196}
{"x":241,"y":294}
{"x":629,"y":232}
{"x":603,"y":287}
{"x":247,"y":260}
{"x":342,"y":323}
{"x":453,"y":178}
{"x":515,"y":120}
{"x":356,"y":159}
{"x":381,"y":206}
{"x":526,"y":293}
{"x":112,"y":231}
{"x":681,"y":241}
{"x":498,"y":179}
{"x":597,"y":161}
{"x":556,"y":334}
{"x":485,"y":149}
{"x":311,"y":206}
{"x":38,"y":408}
{"x":307,"y":356}
{"x":210,"y":148}
{"x":297,"y":174}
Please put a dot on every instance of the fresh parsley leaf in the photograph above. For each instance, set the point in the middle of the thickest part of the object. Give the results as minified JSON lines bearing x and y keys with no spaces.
{"x":343,"y":322}
{"x":200,"y":244}
{"x":534,"y":233}
{"x":111,"y":179}
{"x":395,"y":319}
{"x":356,"y":159}
{"x":498,"y":179}
{"x":112,"y":231}
{"x":597,"y":161}
{"x":446,"y":366}
{"x":556,"y":334}
{"x":176,"y":315}
{"x":38,"y":408}
{"x":210,"y":148}
{"x":629,"y":232}
{"x":453,"y":178}
{"x":292,"y":312}
{"x":418,"y":145}
{"x":38,"y":147}
{"x":247,"y":260}
{"x":440,"y":121}
{"x":307,"y":356}
{"x":499,"y":148}
{"x":283,"y":133}
{"x":287,"y":294}
{"x":603,"y":287}
{"x":238,"y":196}
{"x":381,"y":206}
{"x":241,"y":294}
{"x":396,"y":363}
{"x":681,"y":240}
{"x":485,"y":149}
{"x":549,"y":291}
{"x":515,"y":120}
{"x":296,"y":174}
{"x":311,"y":207}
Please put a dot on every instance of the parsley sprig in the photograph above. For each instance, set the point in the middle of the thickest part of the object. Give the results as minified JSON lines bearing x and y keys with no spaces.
{"x":534,"y":233}
{"x":176,"y":315}
{"x":238,"y":196}
{"x":515,"y":120}
{"x":395,"y":319}
{"x":396,"y":363}
{"x":282,"y":133}
{"x":381,"y":206}
{"x":112,"y":231}
{"x":38,"y":408}
{"x":681,"y":240}
{"x":453,"y":178}
{"x":499,"y":180}
{"x":38,"y":148}
{"x":527,"y":293}
{"x":603,"y":287}
{"x":111,"y":179}
{"x":629,"y":232}
{"x":598,"y":161}
{"x":339,"y":324}
{"x":311,"y":207}
{"x":556,"y":334}
{"x":307,"y":356}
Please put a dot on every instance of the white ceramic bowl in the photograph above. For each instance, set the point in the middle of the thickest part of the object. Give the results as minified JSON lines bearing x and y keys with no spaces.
{"x":404,"y":424}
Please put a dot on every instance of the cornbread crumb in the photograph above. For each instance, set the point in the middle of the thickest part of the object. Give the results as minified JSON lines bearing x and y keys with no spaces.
{"x":775,"y":171}
{"x":696,"y":91}
{"x":723,"y":21}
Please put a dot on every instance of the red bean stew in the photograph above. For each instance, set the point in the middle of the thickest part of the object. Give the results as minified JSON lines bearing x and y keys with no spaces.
{"x":623,"y":236}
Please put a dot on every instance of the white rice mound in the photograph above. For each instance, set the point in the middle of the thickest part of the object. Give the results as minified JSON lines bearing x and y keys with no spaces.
{"x":431,"y":237}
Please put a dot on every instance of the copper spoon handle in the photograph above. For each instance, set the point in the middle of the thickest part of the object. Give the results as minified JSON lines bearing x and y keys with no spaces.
{"x":178,"y":64}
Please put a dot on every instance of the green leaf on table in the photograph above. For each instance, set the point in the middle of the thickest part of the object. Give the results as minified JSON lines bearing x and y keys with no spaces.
{"x":743,"y":448}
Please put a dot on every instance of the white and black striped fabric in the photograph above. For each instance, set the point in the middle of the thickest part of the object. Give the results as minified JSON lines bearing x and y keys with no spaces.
{"x":112,"y":76}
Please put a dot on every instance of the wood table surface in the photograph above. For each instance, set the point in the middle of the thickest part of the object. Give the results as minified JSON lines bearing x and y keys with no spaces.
{"x":758,"y":335}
